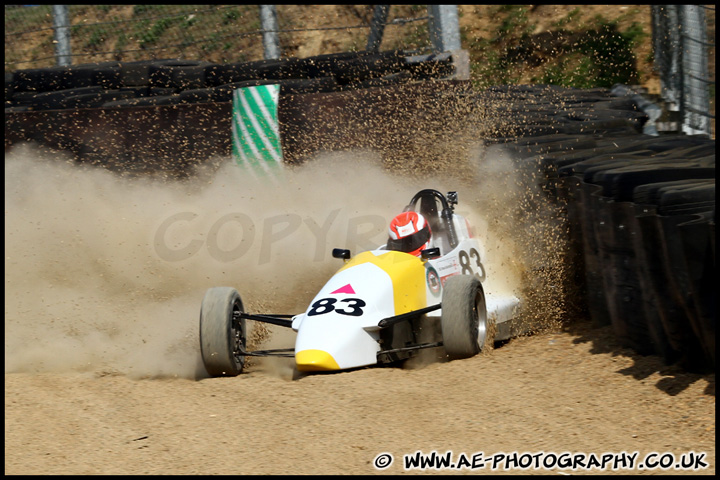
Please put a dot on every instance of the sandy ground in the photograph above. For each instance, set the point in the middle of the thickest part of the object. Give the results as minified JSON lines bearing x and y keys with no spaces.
{"x":567,"y":392}
{"x":103,"y":283}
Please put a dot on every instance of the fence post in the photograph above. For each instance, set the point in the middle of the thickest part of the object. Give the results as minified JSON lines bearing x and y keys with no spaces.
{"x":268,"y":20}
{"x":377,"y":27}
{"x":61,"y":24}
{"x":666,"y":43}
{"x":444,"y":28}
{"x":695,"y":102}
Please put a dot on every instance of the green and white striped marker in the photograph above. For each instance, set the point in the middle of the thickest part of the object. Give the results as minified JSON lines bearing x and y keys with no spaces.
{"x":255,"y":131}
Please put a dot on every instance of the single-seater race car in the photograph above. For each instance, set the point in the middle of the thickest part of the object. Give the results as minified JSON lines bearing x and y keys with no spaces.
{"x":382,"y":306}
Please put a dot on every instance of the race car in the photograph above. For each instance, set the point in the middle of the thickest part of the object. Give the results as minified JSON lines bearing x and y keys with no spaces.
{"x":381,"y":307}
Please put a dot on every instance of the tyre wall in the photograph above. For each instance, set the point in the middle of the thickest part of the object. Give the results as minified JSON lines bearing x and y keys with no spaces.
{"x":176,"y":81}
{"x":170,"y":115}
{"x":641,"y":212}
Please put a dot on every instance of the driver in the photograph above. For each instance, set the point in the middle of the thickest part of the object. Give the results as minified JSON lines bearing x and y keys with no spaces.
{"x":409,"y":233}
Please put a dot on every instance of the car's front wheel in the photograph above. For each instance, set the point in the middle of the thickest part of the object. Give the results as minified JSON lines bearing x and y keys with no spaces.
{"x":222,"y":332}
{"x":465,"y":327}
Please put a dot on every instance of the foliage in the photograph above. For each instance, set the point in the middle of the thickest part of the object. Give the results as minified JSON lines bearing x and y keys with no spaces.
{"x":597,"y":54}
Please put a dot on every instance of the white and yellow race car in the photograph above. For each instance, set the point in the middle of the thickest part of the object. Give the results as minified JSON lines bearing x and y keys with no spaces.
{"x":381,"y":307}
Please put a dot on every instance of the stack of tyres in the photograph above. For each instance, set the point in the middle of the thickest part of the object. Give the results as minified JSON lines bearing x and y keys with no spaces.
{"x":194,"y":81}
{"x":642,"y":210}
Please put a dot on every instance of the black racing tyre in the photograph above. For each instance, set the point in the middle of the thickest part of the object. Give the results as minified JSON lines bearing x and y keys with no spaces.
{"x":326,"y":64}
{"x":144,"y":101}
{"x":96,"y":100}
{"x":9,"y":85}
{"x":313,"y":85}
{"x":50,"y":79}
{"x":387,"y":80}
{"x":369,"y":66}
{"x":199,"y":95}
{"x":18,"y":108}
{"x":222,"y":332}
{"x":181,"y":74}
{"x":56,"y":99}
{"x":464,"y":321}
{"x":104,"y":74}
{"x":137,"y":73}
{"x":40,"y":79}
{"x":283,"y":69}
{"x":222,"y":93}
{"x":225,"y":73}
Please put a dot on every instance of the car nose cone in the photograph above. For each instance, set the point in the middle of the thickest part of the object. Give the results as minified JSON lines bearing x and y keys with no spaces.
{"x":314,"y":361}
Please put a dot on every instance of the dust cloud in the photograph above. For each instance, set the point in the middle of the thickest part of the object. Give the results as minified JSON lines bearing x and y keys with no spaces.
{"x":105,"y":274}
{"x":525,"y":235}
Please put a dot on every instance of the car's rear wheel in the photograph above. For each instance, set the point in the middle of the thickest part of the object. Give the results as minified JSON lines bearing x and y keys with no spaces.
{"x":222,"y":332}
{"x":465,"y":327}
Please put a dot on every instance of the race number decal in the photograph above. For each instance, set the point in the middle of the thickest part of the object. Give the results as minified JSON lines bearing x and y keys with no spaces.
{"x":352,"y":306}
{"x":465,"y":263}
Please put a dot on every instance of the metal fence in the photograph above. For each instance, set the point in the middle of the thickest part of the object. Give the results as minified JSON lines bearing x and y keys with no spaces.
{"x":684,"y":45}
{"x":217,"y":33}
{"x":683,"y":39}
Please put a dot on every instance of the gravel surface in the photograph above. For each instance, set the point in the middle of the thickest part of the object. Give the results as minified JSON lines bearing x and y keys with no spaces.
{"x":572,"y":392}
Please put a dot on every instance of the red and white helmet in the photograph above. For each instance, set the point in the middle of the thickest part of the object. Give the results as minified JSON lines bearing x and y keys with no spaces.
{"x":409,"y":233}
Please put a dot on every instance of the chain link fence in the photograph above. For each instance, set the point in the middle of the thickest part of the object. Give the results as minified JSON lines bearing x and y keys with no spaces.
{"x":683,"y":40}
{"x":216,"y":33}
